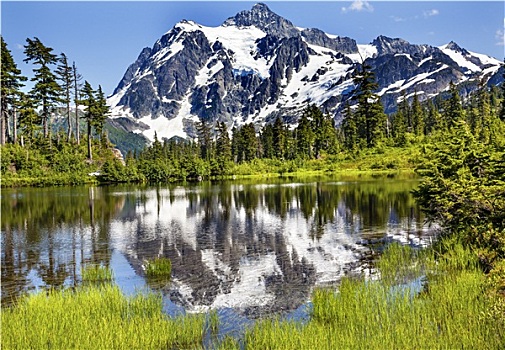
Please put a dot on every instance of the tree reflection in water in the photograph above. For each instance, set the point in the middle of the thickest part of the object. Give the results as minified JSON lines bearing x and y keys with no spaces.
{"x":257,"y":247}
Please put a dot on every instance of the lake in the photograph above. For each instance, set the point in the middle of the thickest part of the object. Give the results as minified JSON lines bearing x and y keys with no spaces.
{"x":249,"y":248}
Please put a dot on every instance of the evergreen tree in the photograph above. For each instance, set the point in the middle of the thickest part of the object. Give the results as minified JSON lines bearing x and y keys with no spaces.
{"x":371,"y":119}
{"x":404,"y":109}
{"x":349,"y":128}
{"x":204,"y":139}
{"x":502,"y":107}
{"x":29,"y":119}
{"x":46,"y":91}
{"x":267,"y":141}
{"x":102,"y":111}
{"x":65,"y":74}
{"x":9,"y":89}
{"x":304,"y":137}
{"x":96,"y":112}
{"x":279,"y":139}
{"x":223,"y":148}
{"x":433,"y":119}
{"x":453,"y":109}
{"x":236,"y":144}
{"x":399,"y":128}
{"x":417,"y":116}
{"x":249,"y":142}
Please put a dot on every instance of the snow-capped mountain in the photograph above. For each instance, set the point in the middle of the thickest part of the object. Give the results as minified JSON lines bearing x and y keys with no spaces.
{"x":257,"y":66}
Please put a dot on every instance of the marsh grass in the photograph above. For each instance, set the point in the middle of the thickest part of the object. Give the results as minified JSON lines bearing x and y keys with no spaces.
{"x":159,"y":269}
{"x":97,"y":317}
{"x":451,"y":312}
{"x":96,"y":273}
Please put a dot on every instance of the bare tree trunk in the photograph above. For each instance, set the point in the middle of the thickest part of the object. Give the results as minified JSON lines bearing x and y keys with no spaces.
{"x":15,"y":126}
{"x":45,"y":116}
{"x":69,"y":131}
{"x":3,"y":127}
{"x":8,"y":137}
{"x":76,"y":100}
{"x":90,"y":155}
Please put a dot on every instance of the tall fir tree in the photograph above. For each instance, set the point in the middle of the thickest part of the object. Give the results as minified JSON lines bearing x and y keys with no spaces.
{"x":349,"y":128}
{"x":96,"y":112}
{"x":417,"y":116}
{"x":10,"y":92}
{"x":223,"y":148}
{"x":267,"y":141}
{"x":46,"y":90}
{"x":204,"y":139}
{"x":279,"y":139}
{"x":371,"y":119}
{"x":304,"y":137}
{"x":453,"y":110}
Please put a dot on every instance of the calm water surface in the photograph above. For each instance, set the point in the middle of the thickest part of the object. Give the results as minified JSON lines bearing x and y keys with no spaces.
{"x":244,"y":247}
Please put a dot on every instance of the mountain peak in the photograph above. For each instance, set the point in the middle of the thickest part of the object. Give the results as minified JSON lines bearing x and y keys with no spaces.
{"x":260,"y":16}
{"x":261,"y":7}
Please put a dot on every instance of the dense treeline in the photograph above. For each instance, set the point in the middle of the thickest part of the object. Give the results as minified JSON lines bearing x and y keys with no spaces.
{"x":32,"y":152}
{"x":367,"y":136}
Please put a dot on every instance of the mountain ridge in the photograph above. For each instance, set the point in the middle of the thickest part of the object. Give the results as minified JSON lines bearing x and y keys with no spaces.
{"x":258,"y":66}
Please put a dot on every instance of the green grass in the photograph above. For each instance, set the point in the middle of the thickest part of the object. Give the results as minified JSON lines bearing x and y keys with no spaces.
{"x":159,"y":269}
{"x":453,"y":310}
{"x":96,"y":273}
{"x":97,"y":318}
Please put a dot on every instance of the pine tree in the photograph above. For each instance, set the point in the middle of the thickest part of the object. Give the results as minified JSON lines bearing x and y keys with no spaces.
{"x":204,"y":139}
{"x":29,"y":119}
{"x":223,"y":147}
{"x":90,"y":102}
{"x":279,"y":139}
{"x":502,"y":107}
{"x":349,"y":128}
{"x":267,"y":141}
{"x":304,"y":137}
{"x":46,"y":91}
{"x":65,"y":75}
{"x":249,"y":142}
{"x":370,"y":117}
{"x":236,"y":144}
{"x":399,"y":128}
{"x":453,"y":109}
{"x":417,"y":116}
{"x":102,"y":111}
{"x":9,"y":89}
{"x":96,"y":112}
{"x":433,"y":119}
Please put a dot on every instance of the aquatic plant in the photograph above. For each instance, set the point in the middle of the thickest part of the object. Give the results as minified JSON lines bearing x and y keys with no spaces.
{"x":159,"y":269}
{"x":96,"y":273}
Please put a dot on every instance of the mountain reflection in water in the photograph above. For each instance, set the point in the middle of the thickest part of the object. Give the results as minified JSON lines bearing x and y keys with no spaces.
{"x":257,"y":248}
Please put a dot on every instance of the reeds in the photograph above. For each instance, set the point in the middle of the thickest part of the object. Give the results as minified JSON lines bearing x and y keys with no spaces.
{"x":97,"y":317}
{"x":451,"y":312}
{"x":159,"y":269}
{"x":96,"y":273}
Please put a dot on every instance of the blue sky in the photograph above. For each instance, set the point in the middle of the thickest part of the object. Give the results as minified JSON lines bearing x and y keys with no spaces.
{"x":104,"y":38}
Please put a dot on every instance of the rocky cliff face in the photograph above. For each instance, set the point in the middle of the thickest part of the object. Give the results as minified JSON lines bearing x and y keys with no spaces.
{"x":257,"y":66}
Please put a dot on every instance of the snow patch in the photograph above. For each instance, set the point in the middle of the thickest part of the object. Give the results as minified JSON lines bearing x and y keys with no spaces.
{"x":459,"y":59}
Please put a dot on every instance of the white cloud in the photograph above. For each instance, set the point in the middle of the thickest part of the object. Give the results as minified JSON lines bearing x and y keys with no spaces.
{"x":358,"y":5}
{"x":431,"y":13}
{"x":398,"y":19}
{"x":500,"y":35}
{"x":19,"y":47}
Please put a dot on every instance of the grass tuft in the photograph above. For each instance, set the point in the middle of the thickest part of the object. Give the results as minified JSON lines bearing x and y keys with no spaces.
{"x":96,"y":273}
